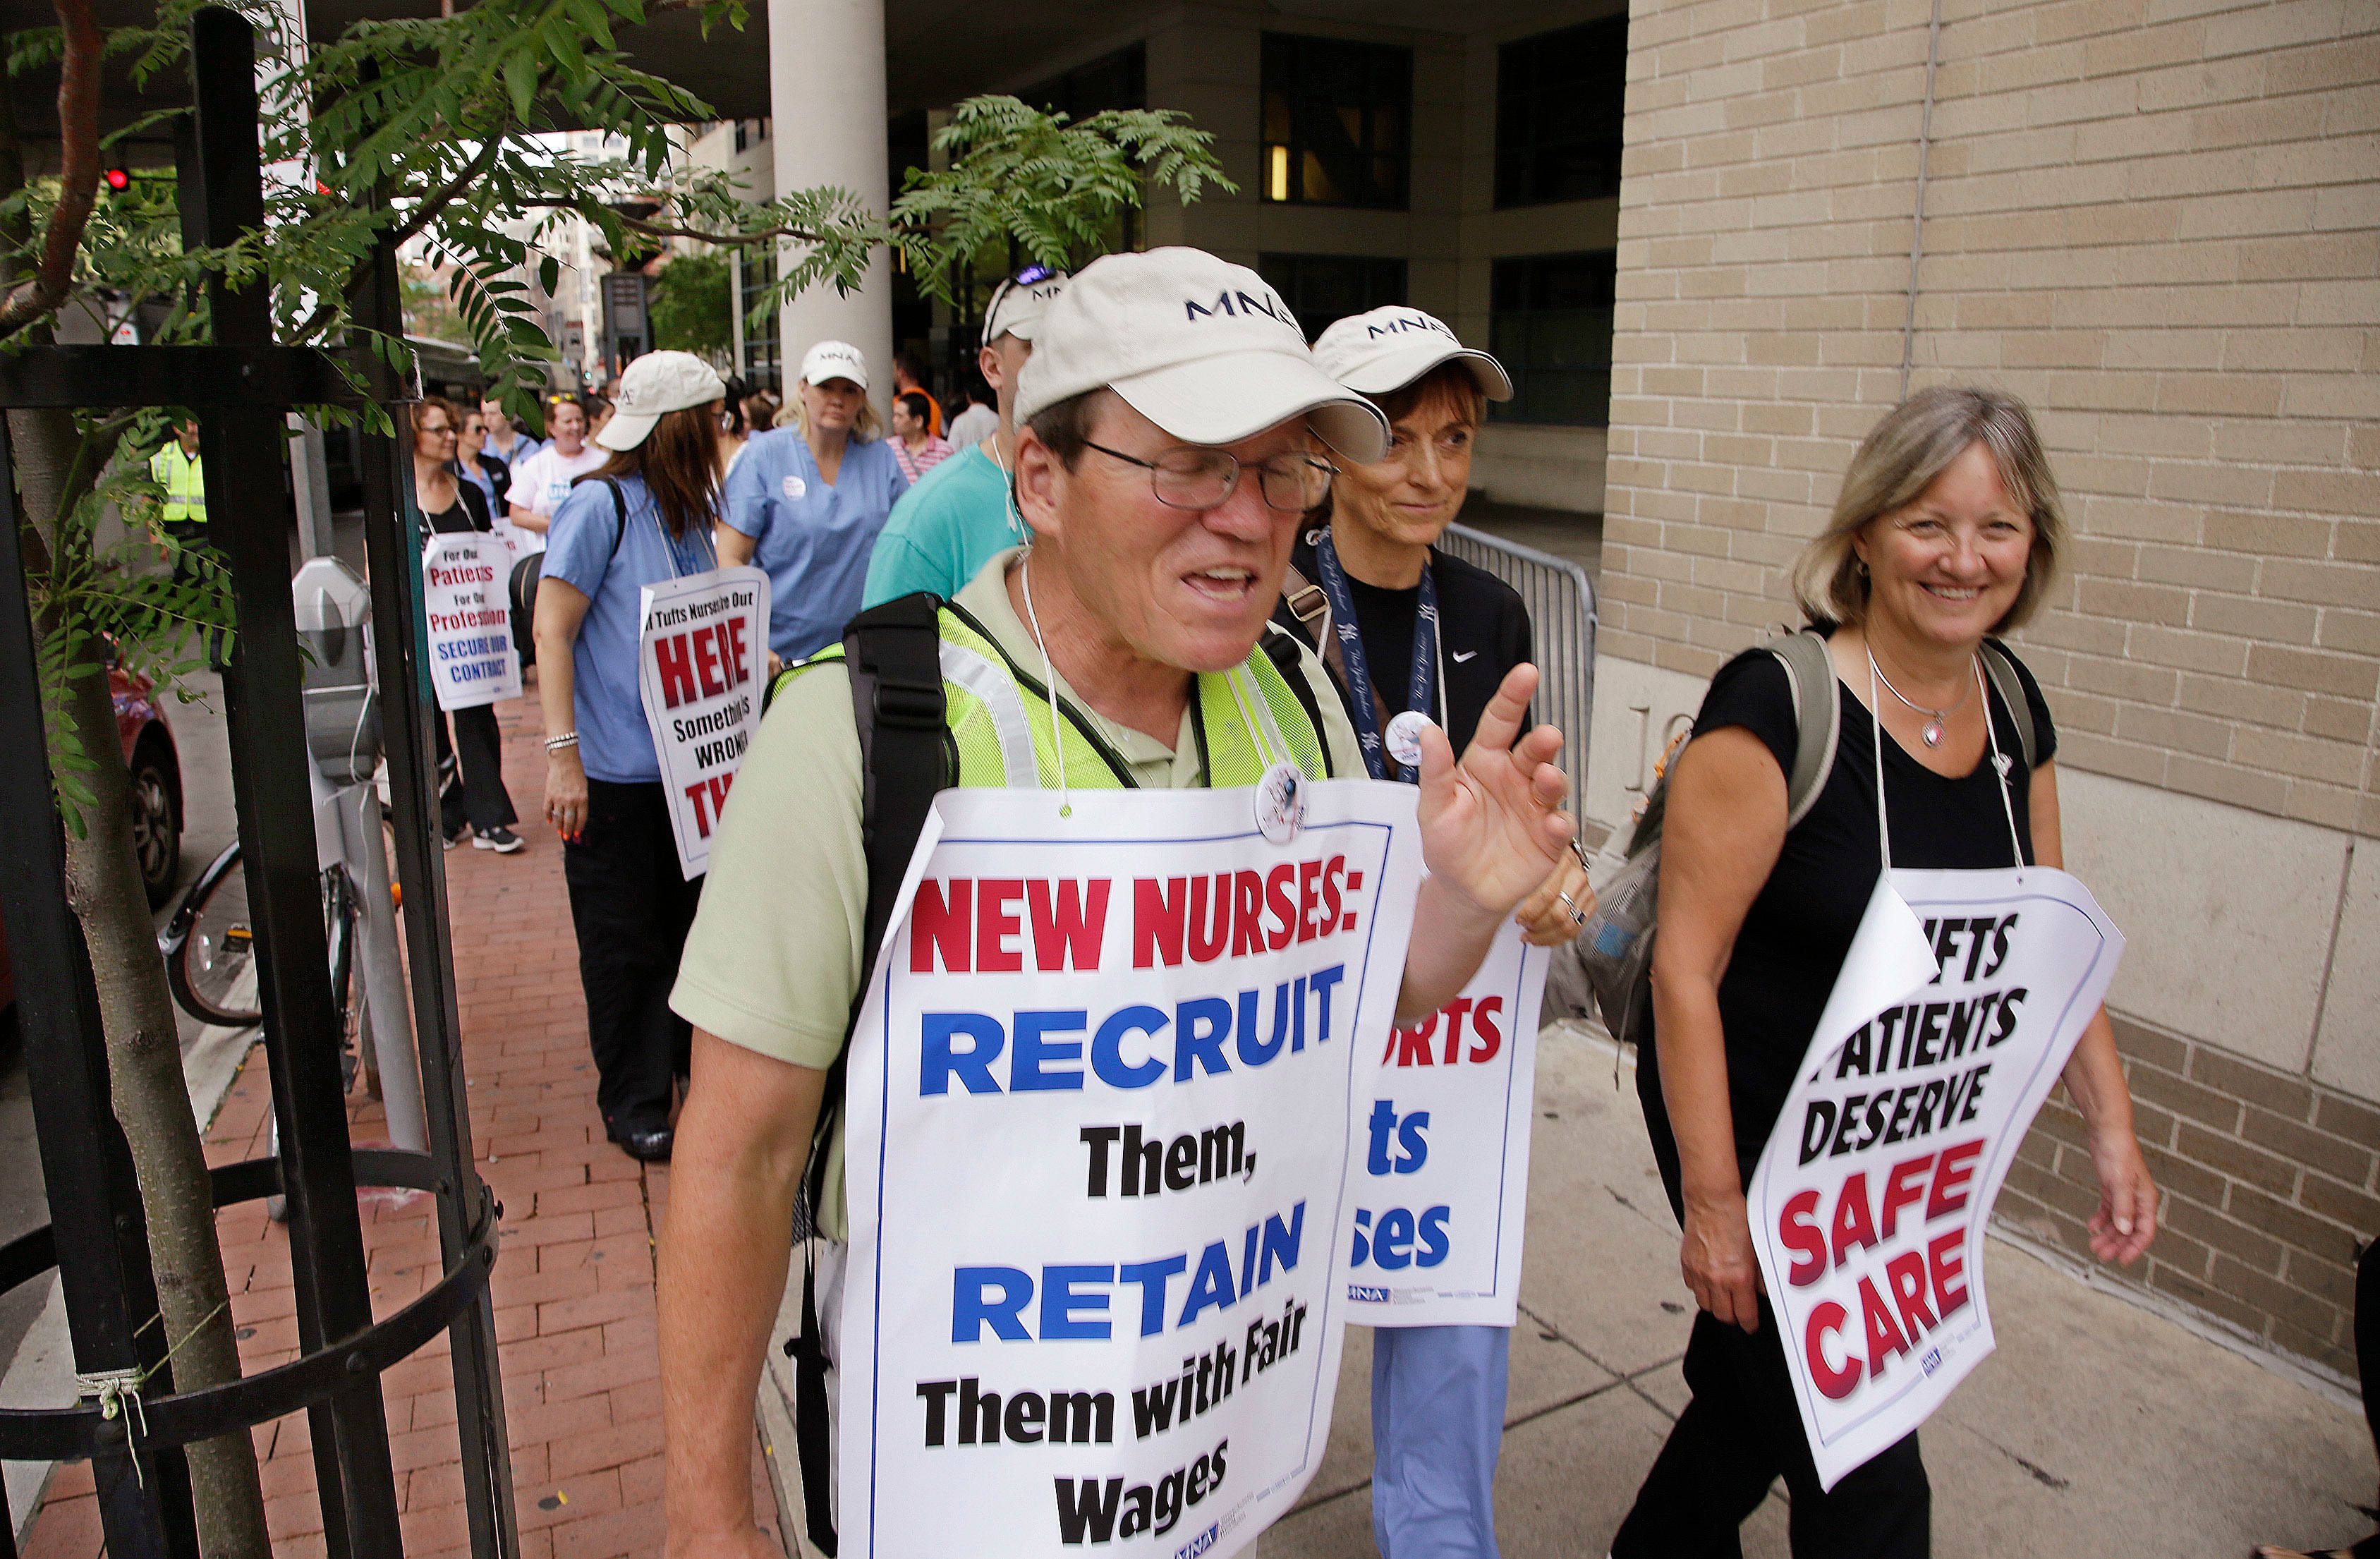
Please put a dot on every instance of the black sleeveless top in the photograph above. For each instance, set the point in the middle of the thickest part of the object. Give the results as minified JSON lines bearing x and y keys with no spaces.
{"x":1800,"y":928}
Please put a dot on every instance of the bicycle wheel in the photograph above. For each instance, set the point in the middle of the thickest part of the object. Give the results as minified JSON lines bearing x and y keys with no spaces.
{"x":211,"y":966}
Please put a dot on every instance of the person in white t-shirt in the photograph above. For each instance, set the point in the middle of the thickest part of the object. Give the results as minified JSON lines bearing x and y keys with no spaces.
{"x":542,"y":482}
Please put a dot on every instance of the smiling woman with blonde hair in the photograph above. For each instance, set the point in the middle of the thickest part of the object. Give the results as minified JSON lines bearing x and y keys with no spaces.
{"x":1947,"y":531}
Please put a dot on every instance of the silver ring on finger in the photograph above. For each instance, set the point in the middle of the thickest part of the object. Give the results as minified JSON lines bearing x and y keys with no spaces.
{"x":1577,"y":916}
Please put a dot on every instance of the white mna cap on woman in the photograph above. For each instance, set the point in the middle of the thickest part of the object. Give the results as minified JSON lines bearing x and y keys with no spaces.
{"x":835,"y":359}
{"x":656,"y":383}
{"x":1204,"y":348}
{"x":1382,"y":352}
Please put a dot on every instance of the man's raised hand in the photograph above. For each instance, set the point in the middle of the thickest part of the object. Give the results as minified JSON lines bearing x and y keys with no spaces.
{"x":1493,"y":824}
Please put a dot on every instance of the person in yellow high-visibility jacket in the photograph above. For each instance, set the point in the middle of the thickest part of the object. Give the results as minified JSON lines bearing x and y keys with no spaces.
{"x":177,"y":468}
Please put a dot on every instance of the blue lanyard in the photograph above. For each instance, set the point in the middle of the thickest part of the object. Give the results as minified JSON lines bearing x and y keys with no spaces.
{"x":1421,"y":686}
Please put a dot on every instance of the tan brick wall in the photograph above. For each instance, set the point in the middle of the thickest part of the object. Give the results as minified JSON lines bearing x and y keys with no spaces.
{"x":2158,"y":220}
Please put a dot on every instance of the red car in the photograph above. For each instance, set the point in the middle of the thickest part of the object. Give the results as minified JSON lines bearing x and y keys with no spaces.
{"x":156,"y":797}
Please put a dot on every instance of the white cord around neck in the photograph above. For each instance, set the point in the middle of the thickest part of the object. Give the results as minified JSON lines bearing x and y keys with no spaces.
{"x":1049,"y":683}
{"x":1999,"y":765}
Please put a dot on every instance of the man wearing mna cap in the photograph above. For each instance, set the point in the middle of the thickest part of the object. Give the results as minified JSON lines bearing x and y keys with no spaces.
{"x":1173,"y":433}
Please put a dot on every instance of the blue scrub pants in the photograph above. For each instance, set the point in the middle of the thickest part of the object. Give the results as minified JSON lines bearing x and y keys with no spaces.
{"x":1437,"y":1422}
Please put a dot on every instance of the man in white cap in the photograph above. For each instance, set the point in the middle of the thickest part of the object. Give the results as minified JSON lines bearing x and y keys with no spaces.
{"x":958,"y":515}
{"x":805,"y":502}
{"x":1172,"y":434}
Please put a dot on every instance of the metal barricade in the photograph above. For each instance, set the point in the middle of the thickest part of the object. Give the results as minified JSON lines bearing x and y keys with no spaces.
{"x":1561,"y":615}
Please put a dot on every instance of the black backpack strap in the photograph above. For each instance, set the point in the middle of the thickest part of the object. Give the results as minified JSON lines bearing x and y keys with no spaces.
{"x":2000,"y":666}
{"x":1280,"y":647}
{"x":619,"y":513}
{"x":894,"y":656}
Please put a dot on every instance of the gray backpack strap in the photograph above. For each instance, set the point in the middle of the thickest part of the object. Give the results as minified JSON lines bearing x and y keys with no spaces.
{"x":2000,"y":666}
{"x":1817,"y":717}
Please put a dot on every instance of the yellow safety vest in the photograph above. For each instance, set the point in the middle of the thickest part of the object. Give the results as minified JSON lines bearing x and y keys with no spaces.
{"x":184,"y":483}
{"x":1004,"y":730}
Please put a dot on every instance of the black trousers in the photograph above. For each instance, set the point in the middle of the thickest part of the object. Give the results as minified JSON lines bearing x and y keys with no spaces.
{"x":475,"y":793}
{"x":632,"y":910}
{"x":1740,"y":1432}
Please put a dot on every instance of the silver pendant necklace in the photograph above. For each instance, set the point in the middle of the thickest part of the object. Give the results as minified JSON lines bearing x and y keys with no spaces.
{"x":1934,"y":718}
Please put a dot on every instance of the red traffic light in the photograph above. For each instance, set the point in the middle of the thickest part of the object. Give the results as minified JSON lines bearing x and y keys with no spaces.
{"x":119,"y":178}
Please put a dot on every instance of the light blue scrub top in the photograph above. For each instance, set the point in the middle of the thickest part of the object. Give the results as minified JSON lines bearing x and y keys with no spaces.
{"x":814,"y":540}
{"x":614,"y":741}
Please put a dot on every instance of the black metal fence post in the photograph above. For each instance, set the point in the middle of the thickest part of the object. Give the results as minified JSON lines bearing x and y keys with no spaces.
{"x":102,"y":1242}
{"x":393,"y":555}
{"x":248,"y":515}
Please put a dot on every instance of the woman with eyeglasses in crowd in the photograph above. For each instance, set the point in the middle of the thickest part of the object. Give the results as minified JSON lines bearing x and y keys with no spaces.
{"x":472,"y":801}
{"x":1434,"y":636}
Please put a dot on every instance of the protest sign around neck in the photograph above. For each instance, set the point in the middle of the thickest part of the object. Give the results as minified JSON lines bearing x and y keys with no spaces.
{"x":1962,"y":998}
{"x":1100,"y":1106}
{"x":1442,"y":1155}
{"x":701,"y":660}
{"x":472,"y":661}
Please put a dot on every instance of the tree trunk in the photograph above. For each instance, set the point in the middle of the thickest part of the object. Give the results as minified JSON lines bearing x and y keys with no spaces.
{"x":144,"y":1055}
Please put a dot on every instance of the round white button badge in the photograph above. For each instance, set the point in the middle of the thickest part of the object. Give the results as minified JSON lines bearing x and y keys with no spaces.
{"x":795,"y":487}
{"x":1404,"y":737}
{"x":1280,"y":803}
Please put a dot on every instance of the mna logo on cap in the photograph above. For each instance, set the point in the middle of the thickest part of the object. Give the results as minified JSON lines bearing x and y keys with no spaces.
{"x":1269,"y":305}
{"x":1401,"y":324}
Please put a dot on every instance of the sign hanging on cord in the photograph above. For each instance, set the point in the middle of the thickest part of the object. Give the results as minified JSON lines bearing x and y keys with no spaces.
{"x":472,"y":661}
{"x":1099,"y":1108}
{"x":1962,"y":996}
{"x":701,"y":660}
{"x":1442,"y":1155}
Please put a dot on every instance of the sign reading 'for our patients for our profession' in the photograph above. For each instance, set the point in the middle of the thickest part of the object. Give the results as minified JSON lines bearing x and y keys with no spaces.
{"x":1962,"y":998}
{"x":701,"y":656}
{"x":1098,"y":1102}
{"x":1441,"y":1151}
{"x":472,"y":661}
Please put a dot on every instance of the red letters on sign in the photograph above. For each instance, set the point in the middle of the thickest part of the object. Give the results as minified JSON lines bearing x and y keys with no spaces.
{"x":1800,"y":1234}
{"x":706,"y":662}
{"x":1950,"y":1177}
{"x":969,"y":926}
{"x":1827,"y":1319}
{"x":676,"y":669}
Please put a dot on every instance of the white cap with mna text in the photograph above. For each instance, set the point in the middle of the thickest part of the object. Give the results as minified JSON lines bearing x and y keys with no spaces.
{"x":835,"y":359}
{"x":1019,"y":302}
{"x":1382,"y":352}
{"x":1204,"y":348}
{"x":655,"y":384}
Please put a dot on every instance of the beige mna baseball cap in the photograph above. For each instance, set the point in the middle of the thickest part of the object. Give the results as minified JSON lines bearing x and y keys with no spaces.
{"x":1382,"y":352}
{"x":1204,"y":348}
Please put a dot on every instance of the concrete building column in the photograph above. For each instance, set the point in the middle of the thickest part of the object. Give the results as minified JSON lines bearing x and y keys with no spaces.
{"x":826,"y":90}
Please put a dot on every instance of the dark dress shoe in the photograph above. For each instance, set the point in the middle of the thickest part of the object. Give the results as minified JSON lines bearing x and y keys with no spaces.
{"x":648,"y":1144}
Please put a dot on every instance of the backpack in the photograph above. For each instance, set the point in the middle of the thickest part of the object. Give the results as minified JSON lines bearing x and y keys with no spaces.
{"x":521,"y":588}
{"x":1615,"y":947}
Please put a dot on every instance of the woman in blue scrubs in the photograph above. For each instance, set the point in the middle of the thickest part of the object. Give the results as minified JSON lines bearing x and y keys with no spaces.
{"x":805,"y":502}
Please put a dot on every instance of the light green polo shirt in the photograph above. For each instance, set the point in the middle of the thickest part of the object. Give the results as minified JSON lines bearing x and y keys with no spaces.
{"x":773,"y":959}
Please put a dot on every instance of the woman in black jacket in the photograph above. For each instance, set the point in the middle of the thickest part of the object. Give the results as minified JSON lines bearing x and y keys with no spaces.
{"x":1433,"y":636}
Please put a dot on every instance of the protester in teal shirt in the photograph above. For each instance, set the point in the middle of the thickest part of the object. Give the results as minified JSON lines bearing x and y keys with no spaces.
{"x":944,"y":529}
{"x":947,"y":527}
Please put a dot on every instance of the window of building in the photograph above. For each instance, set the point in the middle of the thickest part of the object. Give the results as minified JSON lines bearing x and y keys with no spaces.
{"x":1558,"y":111}
{"x":1322,"y":287}
{"x":1549,"y":324}
{"x":1116,"y":81}
{"x":756,"y":273}
{"x":1337,"y":121}
{"x":750,"y":133}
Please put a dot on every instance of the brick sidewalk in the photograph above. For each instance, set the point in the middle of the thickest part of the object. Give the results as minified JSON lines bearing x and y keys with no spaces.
{"x":573,"y":1284}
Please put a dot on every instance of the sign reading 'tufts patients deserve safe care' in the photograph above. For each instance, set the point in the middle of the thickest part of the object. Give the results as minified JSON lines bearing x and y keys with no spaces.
{"x":1099,"y":1104}
{"x":701,"y":664}
{"x":472,"y":661}
{"x":1441,"y":1152}
{"x":1962,"y":998}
